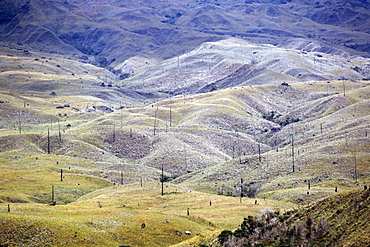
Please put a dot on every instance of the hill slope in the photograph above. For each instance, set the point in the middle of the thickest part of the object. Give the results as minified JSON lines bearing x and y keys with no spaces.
{"x":69,"y":124}
{"x":335,"y":221}
{"x":235,"y":62}
{"x":130,"y":215}
{"x":206,"y":129}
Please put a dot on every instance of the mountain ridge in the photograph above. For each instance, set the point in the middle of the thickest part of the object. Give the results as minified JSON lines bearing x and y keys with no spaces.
{"x":109,"y":32}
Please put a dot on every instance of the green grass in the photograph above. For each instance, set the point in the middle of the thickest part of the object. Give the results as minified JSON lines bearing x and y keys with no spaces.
{"x":114,"y":215}
{"x":339,"y":220}
{"x":30,"y":179}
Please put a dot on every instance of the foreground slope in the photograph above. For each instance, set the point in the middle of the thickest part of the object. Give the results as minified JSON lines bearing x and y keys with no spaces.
{"x":340,"y":220}
{"x":131,"y":215}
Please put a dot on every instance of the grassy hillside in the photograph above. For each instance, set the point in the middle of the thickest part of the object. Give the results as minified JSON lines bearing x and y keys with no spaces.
{"x":114,"y":216}
{"x":189,"y":133}
{"x":340,"y":220}
{"x":58,"y":116}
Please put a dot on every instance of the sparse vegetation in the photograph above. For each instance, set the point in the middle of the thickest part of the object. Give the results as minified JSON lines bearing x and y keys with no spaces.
{"x":70,"y":175}
{"x":316,"y":224}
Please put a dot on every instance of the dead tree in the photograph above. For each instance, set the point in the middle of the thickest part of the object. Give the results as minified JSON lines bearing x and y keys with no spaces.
{"x":19,"y":122}
{"x":241,"y":188}
{"x":162,"y":180}
{"x":259,"y":152}
{"x":344,"y":89}
{"x":155,"y":122}
{"x":60,"y":135}
{"x":355,"y":167}
{"x":293,"y":147}
{"x":170,"y":116}
{"x":114,"y":134}
{"x":53,"y":202}
{"x":48,"y":141}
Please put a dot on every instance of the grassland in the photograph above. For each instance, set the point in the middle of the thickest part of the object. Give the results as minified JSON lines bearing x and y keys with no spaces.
{"x":108,"y":140}
{"x":114,"y":216}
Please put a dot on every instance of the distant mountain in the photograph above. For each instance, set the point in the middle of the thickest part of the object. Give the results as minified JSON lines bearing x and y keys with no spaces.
{"x":109,"y":32}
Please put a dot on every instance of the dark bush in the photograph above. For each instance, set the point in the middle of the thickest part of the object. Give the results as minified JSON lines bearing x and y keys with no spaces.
{"x":224,"y":236}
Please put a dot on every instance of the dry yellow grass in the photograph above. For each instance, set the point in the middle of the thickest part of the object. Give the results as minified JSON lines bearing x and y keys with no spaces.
{"x":115,"y":215}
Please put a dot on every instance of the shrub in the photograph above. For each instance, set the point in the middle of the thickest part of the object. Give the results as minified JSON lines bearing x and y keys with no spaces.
{"x":275,"y":117}
{"x":270,"y":230}
{"x":224,"y":236}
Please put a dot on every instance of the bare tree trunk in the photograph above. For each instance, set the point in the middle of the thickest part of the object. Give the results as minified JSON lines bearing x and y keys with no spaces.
{"x":162,"y":181}
{"x":293,"y":147}
{"x":114,"y":134}
{"x":355,"y":172}
{"x":19,"y":122}
{"x":53,"y":202}
{"x":60,"y":135}
{"x":121,"y":117}
{"x":155,"y":122}
{"x":259,"y":152}
{"x":170,"y":116}
{"x":344,"y":89}
{"x":48,"y":141}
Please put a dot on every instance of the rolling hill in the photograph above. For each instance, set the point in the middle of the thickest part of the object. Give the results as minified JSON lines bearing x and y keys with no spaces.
{"x":280,"y":142}
{"x":235,"y":62}
{"x":238,"y":107}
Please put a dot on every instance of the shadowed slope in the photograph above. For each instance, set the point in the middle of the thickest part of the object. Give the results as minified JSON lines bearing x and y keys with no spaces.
{"x":107,"y":33}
